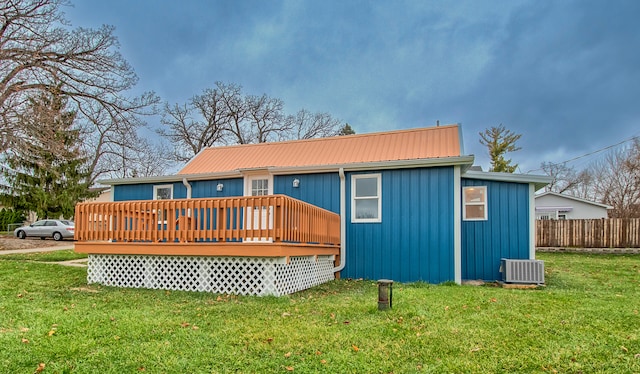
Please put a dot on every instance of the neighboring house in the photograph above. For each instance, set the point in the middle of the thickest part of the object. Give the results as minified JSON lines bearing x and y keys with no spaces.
{"x":409,"y":207}
{"x":104,"y":195}
{"x":552,"y":205}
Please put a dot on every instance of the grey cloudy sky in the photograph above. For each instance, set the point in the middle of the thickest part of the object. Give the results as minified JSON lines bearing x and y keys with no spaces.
{"x":564,"y":74}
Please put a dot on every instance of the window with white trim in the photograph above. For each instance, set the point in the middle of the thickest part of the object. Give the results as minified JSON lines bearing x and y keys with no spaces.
{"x":474,"y":199}
{"x":163,"y":192}
{"x":366,"y":198}
{"x":259,"y":187}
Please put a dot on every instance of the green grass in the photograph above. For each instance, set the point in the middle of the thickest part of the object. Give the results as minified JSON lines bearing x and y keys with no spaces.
{"x":586,"y":320}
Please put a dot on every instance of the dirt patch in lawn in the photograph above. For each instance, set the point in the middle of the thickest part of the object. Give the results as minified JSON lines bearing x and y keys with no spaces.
{"x":8,"y":242}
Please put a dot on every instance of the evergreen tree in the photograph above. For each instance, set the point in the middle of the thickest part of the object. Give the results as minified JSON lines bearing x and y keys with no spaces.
{"x":10,"y":216}
{"x":500,"y":141}
{"x":46,"y":173}
{"x":346,"y":130}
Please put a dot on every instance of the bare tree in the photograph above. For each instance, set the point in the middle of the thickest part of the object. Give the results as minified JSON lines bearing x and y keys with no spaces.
{"x":617,"y":181}
{"x":582,"y":187}
{"x":38,"y":52}
{"x":265,"y":118}
{"x":225,"y":115}
{"x":235,"y":107}
{"x":307,"y":125}
{"x":145,"y":160}
{"x":193,"y":127}
{"x":566,"y":180}
{"x":109,"y":144}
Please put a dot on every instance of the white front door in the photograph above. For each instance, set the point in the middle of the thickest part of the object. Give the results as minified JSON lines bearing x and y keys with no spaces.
{"x":257,"y":217}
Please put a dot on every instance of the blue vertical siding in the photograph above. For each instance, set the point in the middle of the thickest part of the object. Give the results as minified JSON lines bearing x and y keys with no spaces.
{"x":505,"y":234}
{"x":321,"y":190}
{"x":144,"y":191}
{"x":125,"y":192}
{"x":208,"y":188}
{"x":415,"y":240}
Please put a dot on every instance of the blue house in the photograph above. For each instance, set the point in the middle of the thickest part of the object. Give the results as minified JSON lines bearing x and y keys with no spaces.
{"x":404,"y":205}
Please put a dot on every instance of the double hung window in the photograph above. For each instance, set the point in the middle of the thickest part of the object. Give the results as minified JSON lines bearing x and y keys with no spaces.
{"x":366,"y":202}
{"x":475,"y":203}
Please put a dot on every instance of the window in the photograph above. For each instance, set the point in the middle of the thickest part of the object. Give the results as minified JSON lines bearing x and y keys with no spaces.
{"x":475,"y":203}
{"x":163,"y":192}
{"x":258,"y":184}
{"x":366,"y":202}
{"x":259,"y":187}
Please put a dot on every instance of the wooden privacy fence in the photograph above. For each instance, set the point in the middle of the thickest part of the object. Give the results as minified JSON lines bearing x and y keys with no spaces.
{"x":274,"y":218}
{"x":589,"y":233}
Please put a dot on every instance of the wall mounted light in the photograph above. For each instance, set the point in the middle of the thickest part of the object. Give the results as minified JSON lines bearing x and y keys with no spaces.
{"x":296,"y":183}
{"x":220,"y":187}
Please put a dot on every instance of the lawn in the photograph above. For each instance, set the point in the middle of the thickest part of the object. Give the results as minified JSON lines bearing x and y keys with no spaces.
{"x":586,"y":320}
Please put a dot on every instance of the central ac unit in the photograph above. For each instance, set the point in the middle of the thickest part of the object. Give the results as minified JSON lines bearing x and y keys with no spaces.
{"x":522,"y":271}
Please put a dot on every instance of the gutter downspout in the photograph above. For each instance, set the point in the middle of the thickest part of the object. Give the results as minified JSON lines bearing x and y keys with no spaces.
{"x":343,"y":222}
{"x":188,"y":185}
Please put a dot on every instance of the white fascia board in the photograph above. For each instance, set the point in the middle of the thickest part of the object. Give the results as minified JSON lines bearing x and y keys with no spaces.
{"x":363,"y":166}
{"x":574,"y":198}
{"x":457,"y":225}
{"x":538,"y":181}
{"x":553,"y":209}
{"x":532,"y":222}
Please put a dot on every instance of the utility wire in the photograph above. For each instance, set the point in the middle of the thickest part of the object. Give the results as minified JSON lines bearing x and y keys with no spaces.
{"x":590,"y":153}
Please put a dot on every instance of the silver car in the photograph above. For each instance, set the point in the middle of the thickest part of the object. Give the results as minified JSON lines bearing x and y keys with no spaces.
{"x":57,"y":229}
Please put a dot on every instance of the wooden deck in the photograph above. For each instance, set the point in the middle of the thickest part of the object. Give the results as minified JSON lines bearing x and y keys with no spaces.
{"x":262,"y":226}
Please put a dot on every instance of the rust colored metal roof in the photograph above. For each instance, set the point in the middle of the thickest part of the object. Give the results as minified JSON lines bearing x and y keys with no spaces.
{"x":413,"y":144}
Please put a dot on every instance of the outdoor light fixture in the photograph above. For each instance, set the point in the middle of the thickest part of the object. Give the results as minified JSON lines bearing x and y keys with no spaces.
{"x":220,"y":187}
{"x":296,"y":183}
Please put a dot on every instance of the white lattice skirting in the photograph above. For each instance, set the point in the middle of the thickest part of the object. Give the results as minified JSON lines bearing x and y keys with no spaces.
{"x":228,"y":275}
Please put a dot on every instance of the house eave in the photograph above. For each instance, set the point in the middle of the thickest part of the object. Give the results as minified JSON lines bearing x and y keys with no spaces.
{"x":381,"y":165}
{"x":538,"y":181}
{"x":554,"y":209}
{"x":171,"y":178}
{"x":464,"y":161}
{"x":608,"y":207}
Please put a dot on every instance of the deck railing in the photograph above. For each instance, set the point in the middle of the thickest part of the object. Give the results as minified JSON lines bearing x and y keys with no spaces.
{"x":273,"y":218}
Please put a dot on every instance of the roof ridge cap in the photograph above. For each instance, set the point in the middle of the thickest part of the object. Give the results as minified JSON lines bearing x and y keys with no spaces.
{"x":335,"y":137}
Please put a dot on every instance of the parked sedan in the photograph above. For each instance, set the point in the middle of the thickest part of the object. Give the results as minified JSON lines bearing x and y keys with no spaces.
{"x":57,"y":229}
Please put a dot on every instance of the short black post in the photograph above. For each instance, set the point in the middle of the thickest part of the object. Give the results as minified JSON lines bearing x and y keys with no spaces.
{"x":385,"y":294}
